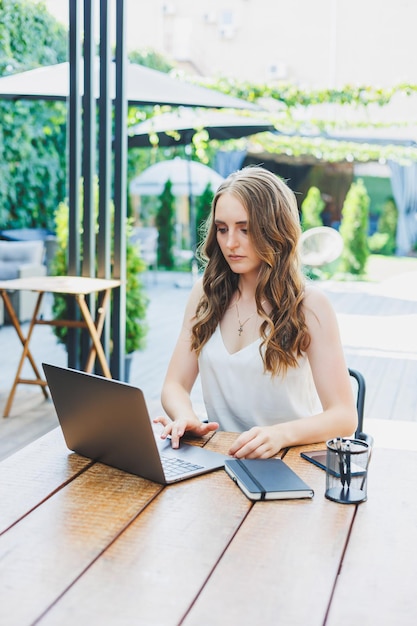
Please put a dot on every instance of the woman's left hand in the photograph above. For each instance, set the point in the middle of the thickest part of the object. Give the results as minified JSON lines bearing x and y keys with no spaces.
{"x":257,"y":443}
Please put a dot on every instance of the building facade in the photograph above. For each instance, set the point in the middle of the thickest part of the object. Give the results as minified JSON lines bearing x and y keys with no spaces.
{"x":321,"y":43}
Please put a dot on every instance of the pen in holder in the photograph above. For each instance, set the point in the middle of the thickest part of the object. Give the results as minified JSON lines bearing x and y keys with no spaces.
{"x":346,"y":470}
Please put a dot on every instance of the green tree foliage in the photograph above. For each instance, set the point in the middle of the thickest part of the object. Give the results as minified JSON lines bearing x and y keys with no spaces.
{"x":384,"y":240}
{"x":152,"y":59}
{"x":32,"y":134}
{"x":32,"y":163}
{"x":29,"y":37}
{"x":165,"y":223}
{"x":354,"y":229}
{"x":311,"y":209}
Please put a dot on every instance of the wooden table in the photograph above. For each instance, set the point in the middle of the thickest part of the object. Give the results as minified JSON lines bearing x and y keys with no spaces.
{"x":82,"y":543}
{"x":79,"y":288}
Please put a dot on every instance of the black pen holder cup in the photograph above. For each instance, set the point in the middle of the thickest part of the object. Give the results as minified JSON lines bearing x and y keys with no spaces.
{"x":347,"y":470}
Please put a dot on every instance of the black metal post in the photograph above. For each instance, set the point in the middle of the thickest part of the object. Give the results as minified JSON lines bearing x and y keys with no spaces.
{"x":74,"y":142}
{"x":88,"y":161}
{"x":104,"y":159}
{"x":89,"y":142}
{"x":120,"y":173}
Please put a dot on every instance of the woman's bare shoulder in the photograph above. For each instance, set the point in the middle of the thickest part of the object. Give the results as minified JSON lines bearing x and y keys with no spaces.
{"x":316,"y":303}
{"x":193,"y":301}
{"x":196,"y":291}
{"x":313,"y":294}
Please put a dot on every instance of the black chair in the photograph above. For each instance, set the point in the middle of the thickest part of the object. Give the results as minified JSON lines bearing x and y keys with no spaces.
{"x":360,"y":405}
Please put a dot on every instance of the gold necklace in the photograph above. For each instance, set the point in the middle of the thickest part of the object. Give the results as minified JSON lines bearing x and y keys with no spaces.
{"x":241,"y":324}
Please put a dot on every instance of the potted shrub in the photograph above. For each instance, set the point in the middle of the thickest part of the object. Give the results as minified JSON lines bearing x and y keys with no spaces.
{"x":165,"y":222}
{"x":311,"y":209}
{"x":354,"y":230}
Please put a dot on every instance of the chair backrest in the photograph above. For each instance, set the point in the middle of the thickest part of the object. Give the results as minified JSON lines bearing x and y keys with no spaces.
{"x":360,"y":405}
{"x":16,"y":254}
{"x":320,"y":246}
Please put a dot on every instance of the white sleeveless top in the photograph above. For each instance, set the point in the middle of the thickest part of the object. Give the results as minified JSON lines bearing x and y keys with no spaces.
{"x":238,"y":394}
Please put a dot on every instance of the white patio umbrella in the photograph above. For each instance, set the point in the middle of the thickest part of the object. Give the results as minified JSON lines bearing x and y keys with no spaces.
{"x":144,"y":86}
{"x":187,"y":178}
{"x":179,"y":127}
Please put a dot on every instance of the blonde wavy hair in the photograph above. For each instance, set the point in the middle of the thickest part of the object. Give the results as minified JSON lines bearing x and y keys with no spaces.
{"x":274,"y":230}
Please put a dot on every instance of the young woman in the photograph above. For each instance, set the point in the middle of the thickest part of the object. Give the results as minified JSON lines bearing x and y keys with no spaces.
{"x":265,"y":343}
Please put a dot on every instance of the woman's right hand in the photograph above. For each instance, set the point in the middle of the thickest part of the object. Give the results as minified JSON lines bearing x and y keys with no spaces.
{"x":176,"y":429}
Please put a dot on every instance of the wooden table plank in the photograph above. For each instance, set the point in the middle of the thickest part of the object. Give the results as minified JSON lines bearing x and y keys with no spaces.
{"x":300,"y":541}
{"x":42,"y":555}
{"x":152,"y":574}
{"x":33,"y":474}
{"x":377,"y":583}
{"x":111,"y":548}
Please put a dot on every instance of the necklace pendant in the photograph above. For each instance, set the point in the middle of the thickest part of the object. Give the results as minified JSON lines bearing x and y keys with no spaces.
{"x":240,"y":330}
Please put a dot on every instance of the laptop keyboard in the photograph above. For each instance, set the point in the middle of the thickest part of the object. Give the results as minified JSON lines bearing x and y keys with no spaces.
{"x":175,"y":467}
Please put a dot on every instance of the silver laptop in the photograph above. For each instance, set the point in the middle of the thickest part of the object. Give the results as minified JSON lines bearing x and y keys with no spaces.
{"x":108,"y":421}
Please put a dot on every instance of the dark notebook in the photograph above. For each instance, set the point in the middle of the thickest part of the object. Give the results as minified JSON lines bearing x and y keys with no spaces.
{"x":267,"y":479}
